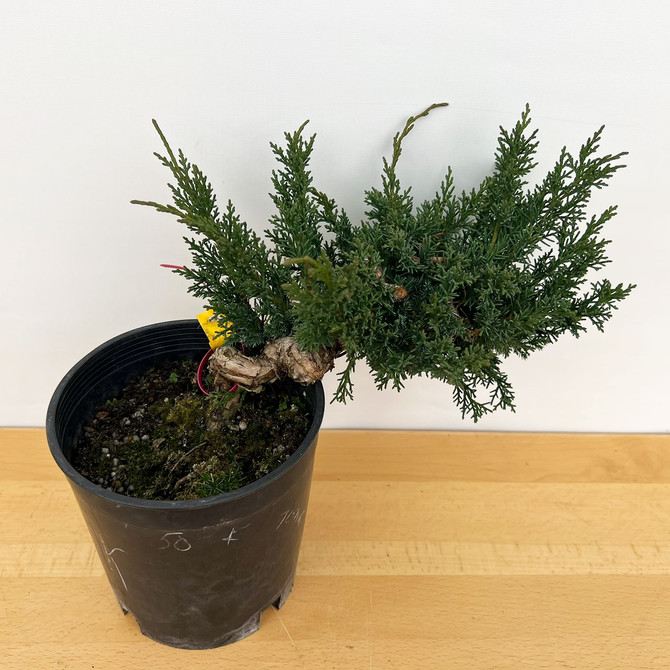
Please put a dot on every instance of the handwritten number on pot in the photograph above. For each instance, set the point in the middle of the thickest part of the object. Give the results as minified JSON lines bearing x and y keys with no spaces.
{"x":176,"y":541}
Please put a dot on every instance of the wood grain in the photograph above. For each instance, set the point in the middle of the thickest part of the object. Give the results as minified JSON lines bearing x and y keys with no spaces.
{"x":421,"y":550}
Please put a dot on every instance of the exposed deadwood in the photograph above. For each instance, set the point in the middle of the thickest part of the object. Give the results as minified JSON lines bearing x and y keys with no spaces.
{"x":280,"y":358}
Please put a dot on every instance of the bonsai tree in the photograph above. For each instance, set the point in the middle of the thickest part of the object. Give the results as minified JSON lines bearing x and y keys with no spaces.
{"x":446,"y":289}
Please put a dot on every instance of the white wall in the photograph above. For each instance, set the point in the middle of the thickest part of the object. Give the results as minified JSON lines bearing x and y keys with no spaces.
{"x":79,"y":83}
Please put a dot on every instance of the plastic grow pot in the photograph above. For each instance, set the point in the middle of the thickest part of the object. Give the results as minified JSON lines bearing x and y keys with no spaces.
{"x":195,"y":574}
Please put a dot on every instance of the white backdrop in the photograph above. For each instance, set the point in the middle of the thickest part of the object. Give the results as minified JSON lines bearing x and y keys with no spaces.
{"x":80,"y":82}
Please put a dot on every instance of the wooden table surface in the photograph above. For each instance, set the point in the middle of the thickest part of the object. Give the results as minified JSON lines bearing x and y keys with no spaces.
{"x":421,"y":550}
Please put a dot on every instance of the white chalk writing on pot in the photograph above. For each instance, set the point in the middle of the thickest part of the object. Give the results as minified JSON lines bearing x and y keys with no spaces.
{"x":176,"y":540}
{"x":291,"y":516}
{"x":110,"y":559}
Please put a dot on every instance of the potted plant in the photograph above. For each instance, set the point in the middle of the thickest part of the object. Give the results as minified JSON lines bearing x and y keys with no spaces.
{"x":446,"y":289}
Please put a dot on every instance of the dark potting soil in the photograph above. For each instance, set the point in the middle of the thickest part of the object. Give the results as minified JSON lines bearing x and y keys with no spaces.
{"x":161,"y":438}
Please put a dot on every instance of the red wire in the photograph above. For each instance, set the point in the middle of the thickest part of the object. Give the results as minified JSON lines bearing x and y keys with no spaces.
{"x":201,"y":368}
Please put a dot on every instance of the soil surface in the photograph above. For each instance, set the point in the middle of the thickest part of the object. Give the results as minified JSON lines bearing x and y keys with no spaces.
{"x":161,"y":438}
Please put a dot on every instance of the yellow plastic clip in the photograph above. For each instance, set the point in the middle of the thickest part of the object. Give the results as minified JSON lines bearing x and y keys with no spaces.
{"x":210,"y":324}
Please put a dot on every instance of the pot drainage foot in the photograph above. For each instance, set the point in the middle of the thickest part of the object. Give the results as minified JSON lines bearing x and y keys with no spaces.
{"x":279,"y":603}
{"x":124,"y":609}
{"x":251,"y":626}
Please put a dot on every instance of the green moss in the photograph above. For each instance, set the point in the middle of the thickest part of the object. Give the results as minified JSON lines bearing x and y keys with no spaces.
{"x":164,"y":440}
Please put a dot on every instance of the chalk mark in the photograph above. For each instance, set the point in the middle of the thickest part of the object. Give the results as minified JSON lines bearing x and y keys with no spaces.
{"x":111,"y":561}
{"x":295,"y":515}
{"x":186,"y":545}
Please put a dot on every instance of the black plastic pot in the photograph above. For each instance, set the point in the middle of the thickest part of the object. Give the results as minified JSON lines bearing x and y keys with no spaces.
{"x":195,"y":574}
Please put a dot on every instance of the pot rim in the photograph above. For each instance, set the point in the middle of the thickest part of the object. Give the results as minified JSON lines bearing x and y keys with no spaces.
{"x":181,"y":505}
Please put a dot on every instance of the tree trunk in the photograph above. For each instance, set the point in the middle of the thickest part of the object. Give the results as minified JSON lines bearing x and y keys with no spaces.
{"x":280,"y":358}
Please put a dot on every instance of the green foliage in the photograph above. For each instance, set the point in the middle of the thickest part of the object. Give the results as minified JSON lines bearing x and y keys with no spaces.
{"x":445,"y":289}
{"x":213,"y":485}
{"x":225,"y":398}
